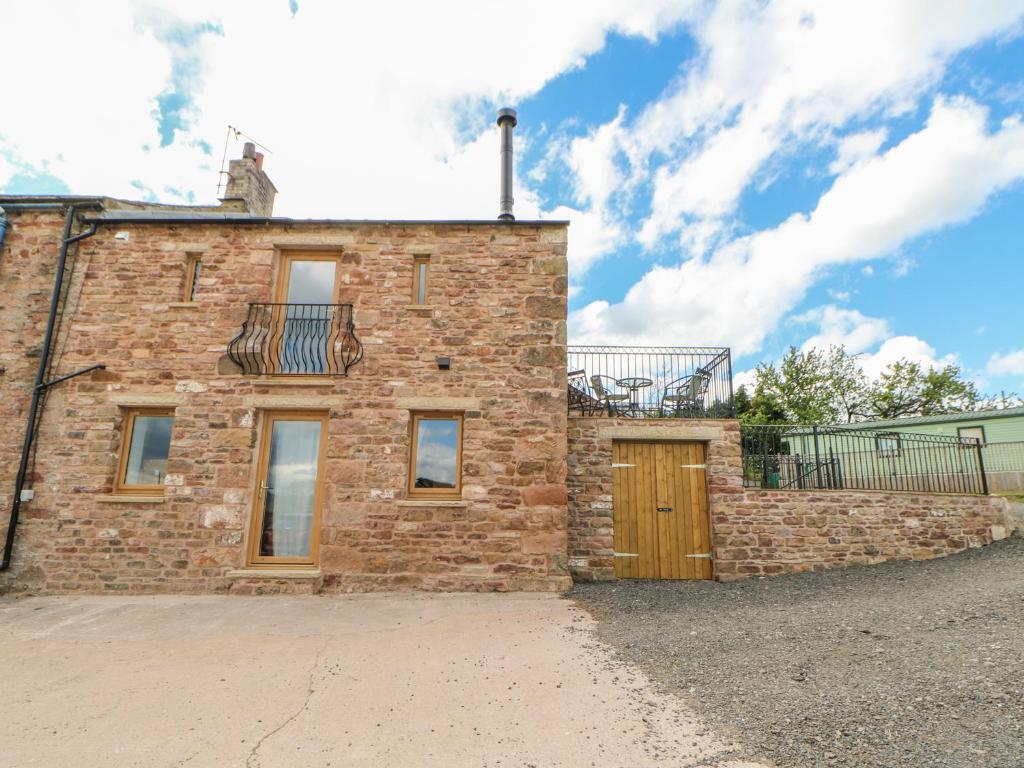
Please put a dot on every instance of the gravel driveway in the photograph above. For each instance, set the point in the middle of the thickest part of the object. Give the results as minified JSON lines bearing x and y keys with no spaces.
{"x":901,"y":664}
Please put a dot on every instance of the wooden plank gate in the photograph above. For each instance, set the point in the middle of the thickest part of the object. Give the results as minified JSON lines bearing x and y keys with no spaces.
{"x":660,"y":510}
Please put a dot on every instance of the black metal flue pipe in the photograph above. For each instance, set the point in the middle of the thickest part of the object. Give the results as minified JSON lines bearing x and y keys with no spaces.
{"x":506,"y":122}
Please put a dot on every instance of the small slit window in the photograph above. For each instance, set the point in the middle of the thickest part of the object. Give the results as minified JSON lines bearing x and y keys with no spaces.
{"x":435,"y":466}
{"x":420,"y":277}
{"x":144,"y":448}
{"x":193,"y":266}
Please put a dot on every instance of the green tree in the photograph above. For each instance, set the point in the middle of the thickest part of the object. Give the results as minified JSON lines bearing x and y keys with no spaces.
{"x":759,"y":409}
{"x":904,"y":389}
{"x":829,"y":386}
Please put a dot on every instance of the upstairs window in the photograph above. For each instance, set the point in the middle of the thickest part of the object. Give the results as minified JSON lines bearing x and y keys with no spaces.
{"x":420,"y":277}
{"x":435,"y":466}
{"x":193,"y":265}
{"x":147,"y":441}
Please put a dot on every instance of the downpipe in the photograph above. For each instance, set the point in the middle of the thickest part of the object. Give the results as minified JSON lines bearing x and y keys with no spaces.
{"x":4,"y":223}
{"x":41,"y":385}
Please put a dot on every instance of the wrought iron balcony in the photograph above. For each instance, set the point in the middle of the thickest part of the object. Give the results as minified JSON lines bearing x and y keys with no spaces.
{"x":297,"y":340}
{"x":651,"y":382}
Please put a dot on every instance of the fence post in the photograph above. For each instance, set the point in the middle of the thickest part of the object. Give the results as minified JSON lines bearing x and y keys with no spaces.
{"x":764,"y":462}
{"x":981,"y":466}
{"x":799,"y":473}
{"x":817,"y":457}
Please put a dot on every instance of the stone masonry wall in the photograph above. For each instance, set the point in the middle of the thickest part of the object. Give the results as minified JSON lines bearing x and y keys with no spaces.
{"x":498,"y":307}
{"x":763,"y":532}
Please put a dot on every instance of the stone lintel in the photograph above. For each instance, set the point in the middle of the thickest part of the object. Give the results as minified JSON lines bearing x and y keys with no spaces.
{"x":439,"y":403}
{"x":294,"y":402}
{"x":148,"y":399}
{"x":662,"y":432}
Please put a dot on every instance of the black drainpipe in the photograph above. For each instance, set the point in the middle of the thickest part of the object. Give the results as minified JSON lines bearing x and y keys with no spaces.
{"x":41,"y":384}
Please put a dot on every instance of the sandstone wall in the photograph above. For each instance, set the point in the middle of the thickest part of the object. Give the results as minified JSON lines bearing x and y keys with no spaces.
{"x":762,"y":532}
{"x":497,"y":310}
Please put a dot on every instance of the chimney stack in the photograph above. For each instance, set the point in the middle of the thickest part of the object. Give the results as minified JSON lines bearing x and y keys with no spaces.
{"x":506,"y":122}
{"x":249,"y":189}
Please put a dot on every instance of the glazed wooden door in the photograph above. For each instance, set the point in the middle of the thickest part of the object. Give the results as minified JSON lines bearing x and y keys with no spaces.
{"x":289,"y":489}
{"x":660,"y":509}
{"x":302,"y":322}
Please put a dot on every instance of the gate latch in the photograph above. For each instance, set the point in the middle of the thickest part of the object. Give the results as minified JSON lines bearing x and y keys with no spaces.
{"x":702,"y":555}
{"x":664,"y":509}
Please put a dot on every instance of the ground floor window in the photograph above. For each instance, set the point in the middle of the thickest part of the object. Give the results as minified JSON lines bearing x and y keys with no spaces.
{"x":435,"y":466}
{"x":289,"y":484}
{"x":144,"y":448}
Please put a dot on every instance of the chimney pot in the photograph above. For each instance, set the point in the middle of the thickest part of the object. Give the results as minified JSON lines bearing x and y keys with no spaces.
{"x":249,"y":150}
{"x":259,"y":161}
{"x":506,"y":122}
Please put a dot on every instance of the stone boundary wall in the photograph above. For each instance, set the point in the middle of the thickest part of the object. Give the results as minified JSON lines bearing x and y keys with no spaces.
{"x":759,"y":532}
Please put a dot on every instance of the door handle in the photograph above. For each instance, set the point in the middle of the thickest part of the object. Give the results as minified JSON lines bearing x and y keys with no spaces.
{"x":664,"y":509}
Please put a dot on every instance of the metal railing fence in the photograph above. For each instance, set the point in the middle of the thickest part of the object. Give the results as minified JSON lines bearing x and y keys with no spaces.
{"x":651,"y":382}
{"x":835,"y":458}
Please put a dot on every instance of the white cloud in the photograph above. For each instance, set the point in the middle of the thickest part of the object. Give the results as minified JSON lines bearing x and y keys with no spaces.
{"x":939,"y":176}
{"x":904,"y":347}
{"x":1011,"y":363}
{"x":780,"y":73}
{"x":856,"y":148}
{"x":847,"y":328}
{"x":365,"y":106}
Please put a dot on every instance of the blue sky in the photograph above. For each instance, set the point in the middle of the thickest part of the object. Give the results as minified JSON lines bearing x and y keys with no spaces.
{"x":755,"y":175}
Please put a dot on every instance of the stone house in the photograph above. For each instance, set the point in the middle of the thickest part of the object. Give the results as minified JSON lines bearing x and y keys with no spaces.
{"x":203,"y":399}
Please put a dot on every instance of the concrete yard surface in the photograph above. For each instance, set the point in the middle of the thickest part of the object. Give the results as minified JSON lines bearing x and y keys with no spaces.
{"x":366,"y":680}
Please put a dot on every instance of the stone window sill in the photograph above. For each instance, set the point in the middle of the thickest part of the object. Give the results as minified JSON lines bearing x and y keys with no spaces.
{"x":325,"y":381}
{"x":130,"y":498}
{"x":432,"y":503}
{"x":421,"y":306}
{"x":296,"y":573}
{"x":183,"y":304}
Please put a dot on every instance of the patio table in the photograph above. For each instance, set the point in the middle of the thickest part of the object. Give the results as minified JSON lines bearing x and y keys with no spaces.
{"x":634,"y":384}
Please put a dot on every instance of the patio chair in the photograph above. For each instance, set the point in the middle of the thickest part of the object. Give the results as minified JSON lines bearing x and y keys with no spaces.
{"x":580,"y":399}
{"x":685,"y":395}
{"x":610,"y":401}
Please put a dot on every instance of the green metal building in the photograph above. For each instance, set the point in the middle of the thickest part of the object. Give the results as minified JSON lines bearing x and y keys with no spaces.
{"x":1001,"y":433}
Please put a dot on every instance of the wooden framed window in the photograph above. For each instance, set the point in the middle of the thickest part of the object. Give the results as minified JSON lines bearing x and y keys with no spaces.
{"x":420,"y":278}
{"x":193,"y":265}
{"x":289,"y":489}
{"x":144,"y":448}
{"x":435,"y":461}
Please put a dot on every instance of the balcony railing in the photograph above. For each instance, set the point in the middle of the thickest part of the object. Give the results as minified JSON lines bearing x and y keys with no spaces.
{"x":296,"y":340}
{"x":651,"y":382}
